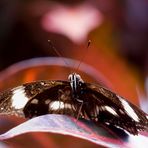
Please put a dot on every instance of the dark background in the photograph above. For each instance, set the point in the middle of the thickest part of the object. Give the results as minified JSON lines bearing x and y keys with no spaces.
{"x":22,"y":36}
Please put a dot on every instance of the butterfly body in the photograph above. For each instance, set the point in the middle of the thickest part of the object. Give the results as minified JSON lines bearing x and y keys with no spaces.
{"x":75,"y":98}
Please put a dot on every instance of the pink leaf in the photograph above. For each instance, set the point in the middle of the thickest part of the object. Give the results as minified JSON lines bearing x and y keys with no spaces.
{"x":65,"y":125}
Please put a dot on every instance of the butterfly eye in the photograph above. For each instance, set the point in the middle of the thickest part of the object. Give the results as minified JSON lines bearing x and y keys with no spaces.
{"x":78,"y":78}
{"x":70,"y":77}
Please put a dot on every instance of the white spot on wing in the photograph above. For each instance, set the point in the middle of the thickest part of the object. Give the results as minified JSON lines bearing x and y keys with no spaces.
{"x":68,"y":106}
{"x":109,"y":109}
{"x":47,"y":101}
{"x":121,"y":111}
{"x":19,"y":98}
{"x":129,"y":109}
{"x":34,"y":101}
{"x":97,"y":110}
{"x":55,"y":105}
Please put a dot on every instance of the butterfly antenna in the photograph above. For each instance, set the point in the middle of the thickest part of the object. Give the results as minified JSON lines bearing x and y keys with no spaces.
{"x":57,"y":52}
{"x":83,"y":57}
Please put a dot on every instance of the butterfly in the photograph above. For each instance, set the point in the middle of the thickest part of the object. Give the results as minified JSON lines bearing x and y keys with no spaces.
{"x":75,"y":98}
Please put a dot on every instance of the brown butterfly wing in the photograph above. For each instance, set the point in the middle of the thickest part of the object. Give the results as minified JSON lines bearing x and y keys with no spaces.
{"x":105,"y":106}
{"x":32,"y":99}
{"x":54,"y":100}
{"x":99,"y":104}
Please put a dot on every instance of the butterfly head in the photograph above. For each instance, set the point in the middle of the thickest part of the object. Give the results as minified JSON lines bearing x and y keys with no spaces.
{"x":75,"y":83}
{"x":75,"y":77}
{"x":75,"y":80}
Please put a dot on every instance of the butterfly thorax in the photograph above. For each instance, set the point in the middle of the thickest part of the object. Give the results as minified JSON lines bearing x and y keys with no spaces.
{"x":76,"y":83}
